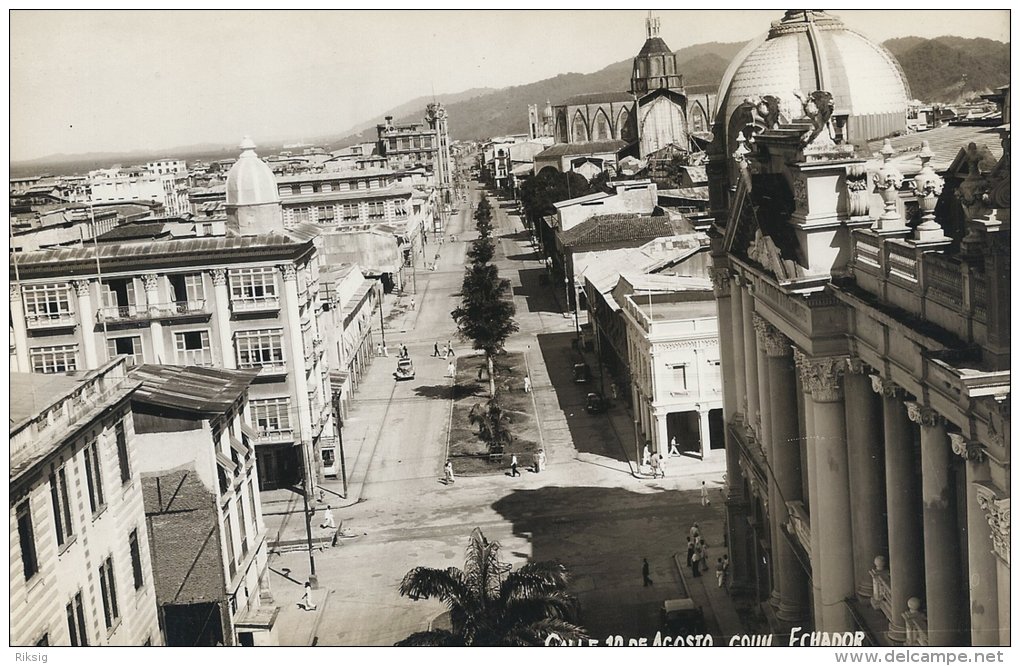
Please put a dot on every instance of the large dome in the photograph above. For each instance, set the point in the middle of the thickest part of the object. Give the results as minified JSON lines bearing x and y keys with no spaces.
{"x":811,"y":50}
{"x":251,"y":181}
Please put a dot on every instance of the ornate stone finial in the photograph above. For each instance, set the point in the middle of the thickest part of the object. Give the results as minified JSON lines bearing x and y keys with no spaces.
{"x":880,"y":563}
{"x":150,"y":281}
{"x":821,"y":375}
{"x":887,"y":181}
{"x":927,"y":188}
{"x":973,"y":191}
{"x":742,"y":151}
{"x":967,"y":450}
{"x":775,"y":343}
{"x":81,"y":287}
{"x":921,"y":415}
{"x":997,"y":513}
{"x":289,"y":271}
{"x":651,"y":26}
{"x":219,"y":277}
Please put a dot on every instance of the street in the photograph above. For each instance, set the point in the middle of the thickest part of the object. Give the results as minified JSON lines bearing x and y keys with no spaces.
{"x":586,"y":510}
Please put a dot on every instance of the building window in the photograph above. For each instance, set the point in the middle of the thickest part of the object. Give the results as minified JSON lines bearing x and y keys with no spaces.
{"x":76,"y":622}
{"x":400,"y":208}
{"x":61,"y":506}
{"x":94,"y":477}
{"x":49,"y":360}
{"x":46,"y":301}
{"x":351,"y":211}
{"x":679,"y":375}
{"x":271,"y":415}
{"x":26,"y":535}
{"x":136,"y":559}
{"x":325,"y":214}
{"x":327,"y":187}
{"x":109,"y":589}
{"x":254,"y":513}
{"x":259,"y":348}
{"x":302,"y":214}
{"x":193,"y":348}
{"x":229,"y":537}
{"x":243,"y":525}
{"x":295,"y":189}
{"x":253,"y":284}
{"x":130,"y":346}
{"x":376,"y":210}
{"x":122,"y":451}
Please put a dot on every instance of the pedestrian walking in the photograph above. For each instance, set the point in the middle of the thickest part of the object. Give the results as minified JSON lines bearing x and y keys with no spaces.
{"x":449,"y":349}
{"x":646,"y":456}
{"x":645,"y":577}
{"x":696,"y":564}
{"x":541,"y":460}
{"x":527,"y":384}
{"x":726,"y":567}
{"x":704,"y":495}
{"x":327,"y":519}
{"x":307,"y":602}
{"x":655,"y":466}
{"x":450,"y":369}
{"x":690,"y":550}
{"x":695,"y":532}
{"x":448,"y":472}
{"x":662,"y":465}
{"x":435,"y":349}
{"x":673,"y":450}
{"x":412,"y":302}
{"x":612,"y":389}
{"x":704,"y":554}
{"x":720,"y":572}
{"x":513,"y":466}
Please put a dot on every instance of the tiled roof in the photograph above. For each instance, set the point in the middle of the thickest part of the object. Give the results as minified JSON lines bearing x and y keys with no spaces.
{"x":597,"y":98}
{"x":583,"y":148}
{"x":191,"y":388}
{"x":148,"y":230}
{"x":618,"y":228}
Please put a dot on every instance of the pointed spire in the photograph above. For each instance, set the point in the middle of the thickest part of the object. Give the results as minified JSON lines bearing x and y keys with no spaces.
{"x":651,"y":25}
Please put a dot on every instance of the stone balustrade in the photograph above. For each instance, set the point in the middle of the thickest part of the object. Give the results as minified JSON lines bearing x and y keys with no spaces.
{"x":881,"y":588}
{"x":916,"y":623}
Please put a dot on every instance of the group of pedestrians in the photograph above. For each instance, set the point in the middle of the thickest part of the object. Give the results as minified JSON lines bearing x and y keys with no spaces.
{"x":697,"y":557}
{"x":656,"y":461}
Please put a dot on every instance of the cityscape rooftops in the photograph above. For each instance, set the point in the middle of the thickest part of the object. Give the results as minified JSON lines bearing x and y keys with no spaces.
{"x":619,"y":227}
{"x":945,"y":144}
{"x":582,"y":148}
{"x":191,"y":388}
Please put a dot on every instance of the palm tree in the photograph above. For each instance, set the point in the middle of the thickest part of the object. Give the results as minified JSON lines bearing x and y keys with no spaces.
{"x":492,"y":422}
{"x":492,"y":605}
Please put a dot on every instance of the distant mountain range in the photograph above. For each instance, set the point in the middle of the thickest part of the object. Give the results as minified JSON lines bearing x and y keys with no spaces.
{"x":944,"y":69}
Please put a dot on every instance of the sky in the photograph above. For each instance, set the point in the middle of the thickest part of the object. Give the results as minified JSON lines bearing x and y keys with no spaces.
{"x":98,"y":81}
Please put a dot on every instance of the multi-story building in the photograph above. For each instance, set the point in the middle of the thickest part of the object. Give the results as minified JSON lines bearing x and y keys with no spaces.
{"x":202,"y":508}
{"x":419,"y":144}
{"x":339,"y":198}
{"x":864,"y":327}
{"x":80,"y":561}
{"x":169,"y":189}
{"x":166,"y":165}
{"x":248,"y":299}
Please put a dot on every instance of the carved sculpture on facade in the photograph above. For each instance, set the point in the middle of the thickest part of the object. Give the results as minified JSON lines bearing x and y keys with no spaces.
{"x":970,"y":451}
{"x":150,"y":281}
{"x":289,"y":271}
{"x":821,"y":376}
{"x":887,"y":181}
{"x":921,"y":415}
{"x":767,"y":110}
{"x":857,"y":188}
{"x":775,"y":343}
{"x":884,"y":387}
{"x":720,"y":281}
{"x":997,"y":513}
{"x":81,"y":287}
{"x":219,"y":277}
{"x":817,"y":108}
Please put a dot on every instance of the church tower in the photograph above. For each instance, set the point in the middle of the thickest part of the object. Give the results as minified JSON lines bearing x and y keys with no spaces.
{"x":658,"y":86}
{"x":655,"y":65}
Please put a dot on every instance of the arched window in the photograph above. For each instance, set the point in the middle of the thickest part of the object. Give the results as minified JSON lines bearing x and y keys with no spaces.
{"x":578,"y":129}
{"x":600,"y":129}
{"x":624,"y":128}
{"x":562,"y":131}
{"x":699,"y":123}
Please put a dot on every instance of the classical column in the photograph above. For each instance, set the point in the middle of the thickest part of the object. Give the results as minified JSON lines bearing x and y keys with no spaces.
{"x":784,"y":459}
{"x":764,"y":440}
{"x":737,"y":309}
{"x":995,"y":507}
{"x":705,"y":431}
{"x":296,"y":372}
{"x":661,"y":434}
{"x":752,"y":417}
{"x":20,"y":330}
{"x":903,"y":507}
{"x":822,"y":376}
{"x":814,"y":513}
{"x":982,"y":579}
{"x":867,"y":472}
{"x":151,"y":283}
{"x":941,"y":537}
{"x":87,"y":316}
{"x":221,"y":298}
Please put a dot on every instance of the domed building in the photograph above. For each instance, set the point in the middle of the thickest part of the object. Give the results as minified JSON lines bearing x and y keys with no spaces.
{"x":863,"y":306}
{"x":253,"y":198}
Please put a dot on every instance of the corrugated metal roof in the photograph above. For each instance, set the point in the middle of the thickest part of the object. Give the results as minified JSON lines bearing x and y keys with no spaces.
{"x":583,"y":148}
{"x":191,"y":388}
{"x":945,"y":142}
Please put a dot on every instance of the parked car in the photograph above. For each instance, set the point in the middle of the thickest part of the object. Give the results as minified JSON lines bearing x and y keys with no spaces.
{"x":682,"y":616}
{"x":581,"y":373}
{"x":595,"y":404}
{"x":405,"y":369}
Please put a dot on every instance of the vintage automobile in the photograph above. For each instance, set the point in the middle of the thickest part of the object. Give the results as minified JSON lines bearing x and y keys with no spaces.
{"x":595,"y":404}
{"x":405,"y":369}
{"x":581,"y":373}
{"x":682,"y":616}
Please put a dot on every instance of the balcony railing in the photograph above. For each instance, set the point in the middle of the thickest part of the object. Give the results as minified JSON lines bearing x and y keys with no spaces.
{"x":916,"y":623}
{"x":261,"y":304}
{"x":201,"y":357}
{"x":267,"y":368}
{"x":272,"y":436}
{"x":51,"y":320}
{"x":168,"y":310}
{"x":881,"y":588}
{"x":800,"y":524}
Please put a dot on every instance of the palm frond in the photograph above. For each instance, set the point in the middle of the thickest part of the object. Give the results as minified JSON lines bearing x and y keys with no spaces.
{"x":536,"y":633}
{"x":448,"y":585}
{"x":555,"y":605}
{"x":535,"y":578}
{"x":433,"y":638}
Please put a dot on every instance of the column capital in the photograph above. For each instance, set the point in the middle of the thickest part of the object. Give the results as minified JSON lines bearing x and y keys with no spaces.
{"x":289,"y":271}
{"x":821,"y":376}
{"x":856,"y":366}
{"x":967,"y":450}
{"x":150,"y":281}
{"x":885,"y":388}
{"x":776,"y":344}
{"x":81,"y":287}
{"x":219,"y":277}
{"x":15,"y":291}
{"x":720,"y":277}
{"x":923,"y":416}
{"x":997,"y":513}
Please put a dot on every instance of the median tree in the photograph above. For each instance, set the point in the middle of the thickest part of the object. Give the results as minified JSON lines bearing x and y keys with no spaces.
{"x":483,"y":218}
{"x":486,"y":313}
